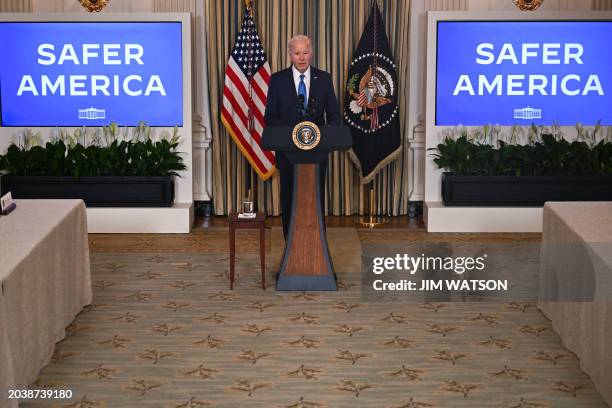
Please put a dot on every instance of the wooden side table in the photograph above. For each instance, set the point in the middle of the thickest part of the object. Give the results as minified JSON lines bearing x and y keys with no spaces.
{"x":244,"y":223}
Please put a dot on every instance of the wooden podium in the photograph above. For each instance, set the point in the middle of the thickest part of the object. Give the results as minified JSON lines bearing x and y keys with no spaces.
{"x":306,"y":263}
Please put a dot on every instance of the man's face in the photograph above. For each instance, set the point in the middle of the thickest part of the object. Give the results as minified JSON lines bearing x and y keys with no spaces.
{"x":300,"y":54}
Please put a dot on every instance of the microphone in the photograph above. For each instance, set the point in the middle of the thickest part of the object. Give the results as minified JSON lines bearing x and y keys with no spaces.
{"x":312,"y":106}
{"x":300,"y":105}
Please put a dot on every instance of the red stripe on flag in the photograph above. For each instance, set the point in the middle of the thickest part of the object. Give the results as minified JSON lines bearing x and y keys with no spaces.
{"x":227,"y":92}
{"x":260,"y":93}
{"x":361,"y":100}
{"x":374,"y":119}
{"x":244,"y":120}
{"x":246,"y":146}
{"x":239,"y":86}
{"x":265,"y":74}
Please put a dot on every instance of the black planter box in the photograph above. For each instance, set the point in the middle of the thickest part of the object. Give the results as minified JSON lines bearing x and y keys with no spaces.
{"x":98,"y":191}
{"x":524,"y":191}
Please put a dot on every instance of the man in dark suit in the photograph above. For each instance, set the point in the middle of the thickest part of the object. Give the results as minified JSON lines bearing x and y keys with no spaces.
{"x":300,"y":92}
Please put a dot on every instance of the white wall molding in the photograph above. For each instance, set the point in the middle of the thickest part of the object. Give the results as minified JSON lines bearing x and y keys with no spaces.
{"x":416,"y":162}
{"x":202,"y":153}
{"x":415,"y":141}
{"x":202,"y":167}
{"x":201,"y":130}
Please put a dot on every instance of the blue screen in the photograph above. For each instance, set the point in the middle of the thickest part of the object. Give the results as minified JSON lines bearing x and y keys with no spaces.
{"x":91,"y":74}
{"x":523,"y":72}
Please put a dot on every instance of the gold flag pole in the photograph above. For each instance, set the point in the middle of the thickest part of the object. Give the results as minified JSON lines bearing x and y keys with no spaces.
{"x":372,"y":221}
{"x":251,"y":189}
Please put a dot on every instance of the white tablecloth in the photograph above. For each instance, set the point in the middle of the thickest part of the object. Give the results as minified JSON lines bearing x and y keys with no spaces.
{"x":577,"y":260}
{"x":45,"y":281}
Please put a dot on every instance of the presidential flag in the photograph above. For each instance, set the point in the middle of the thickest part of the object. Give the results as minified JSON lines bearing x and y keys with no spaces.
{"x":247,"y":76}
{"x":370,"y":103}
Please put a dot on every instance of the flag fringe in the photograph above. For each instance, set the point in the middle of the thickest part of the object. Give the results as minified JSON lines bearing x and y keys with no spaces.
{"x":263,"y":176}
{"x":387,"y":160}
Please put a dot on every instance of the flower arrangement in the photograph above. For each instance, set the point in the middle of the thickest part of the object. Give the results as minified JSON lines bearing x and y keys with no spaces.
{"x":105,"y":151}
{"x":534,"y":151}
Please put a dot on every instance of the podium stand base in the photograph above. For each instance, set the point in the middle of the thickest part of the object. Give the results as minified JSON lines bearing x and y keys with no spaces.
{"x":306,"y":282}
{"x":306,"y":264}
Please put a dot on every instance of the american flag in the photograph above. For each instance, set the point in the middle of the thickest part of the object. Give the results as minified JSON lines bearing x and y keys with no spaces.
{"x":247,"y":76}
{"x":362,"y":100}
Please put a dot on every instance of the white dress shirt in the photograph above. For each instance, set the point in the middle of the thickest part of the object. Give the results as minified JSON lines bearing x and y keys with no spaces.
{"x":296,"y":80}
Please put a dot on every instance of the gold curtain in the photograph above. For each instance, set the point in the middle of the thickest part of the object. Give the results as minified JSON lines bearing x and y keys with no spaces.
{"x":335,"y":27}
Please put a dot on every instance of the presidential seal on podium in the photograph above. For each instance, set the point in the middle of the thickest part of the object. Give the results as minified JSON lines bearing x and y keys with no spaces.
{"x":306,"y":135}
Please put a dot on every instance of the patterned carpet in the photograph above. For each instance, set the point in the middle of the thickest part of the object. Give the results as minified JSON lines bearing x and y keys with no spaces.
{"x":165,"y":331}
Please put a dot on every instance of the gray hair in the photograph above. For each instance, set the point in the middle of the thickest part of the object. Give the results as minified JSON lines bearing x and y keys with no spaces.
{"x":298,"y":37}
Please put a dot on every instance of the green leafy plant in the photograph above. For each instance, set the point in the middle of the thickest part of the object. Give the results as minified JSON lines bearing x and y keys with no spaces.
{"x":546,"y":153}
{"x":97,"y":152}
{"x":352,"y":83}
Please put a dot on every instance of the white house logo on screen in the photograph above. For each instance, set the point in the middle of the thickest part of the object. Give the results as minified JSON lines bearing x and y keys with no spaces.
{"x":527,"y":113}
{"x":92,"y":113}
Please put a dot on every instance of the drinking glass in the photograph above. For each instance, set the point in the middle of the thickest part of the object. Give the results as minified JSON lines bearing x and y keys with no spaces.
{"x":247,"y":206}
